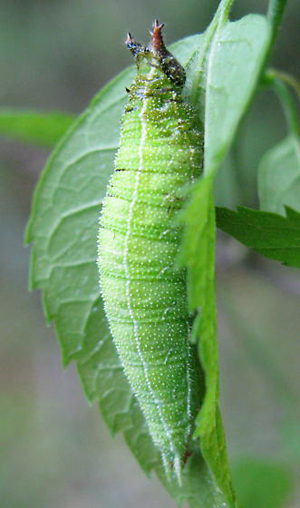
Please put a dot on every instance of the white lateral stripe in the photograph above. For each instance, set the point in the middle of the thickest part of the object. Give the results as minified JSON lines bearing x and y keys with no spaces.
{"x":189,"y":387}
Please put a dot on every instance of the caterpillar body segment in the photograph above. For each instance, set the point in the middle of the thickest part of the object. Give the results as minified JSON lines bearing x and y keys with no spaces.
{"x":145,"y":295}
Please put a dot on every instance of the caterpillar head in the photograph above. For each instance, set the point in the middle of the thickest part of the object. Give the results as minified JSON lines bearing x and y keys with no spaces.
{"x":156,"y":55}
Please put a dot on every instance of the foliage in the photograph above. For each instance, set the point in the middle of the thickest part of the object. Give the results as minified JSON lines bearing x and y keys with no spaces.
{"x":224,"y":66}
{"x":272,"y":235}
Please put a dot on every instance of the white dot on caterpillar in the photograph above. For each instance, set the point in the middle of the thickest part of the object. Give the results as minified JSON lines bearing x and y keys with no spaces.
{"x":164,"y":233}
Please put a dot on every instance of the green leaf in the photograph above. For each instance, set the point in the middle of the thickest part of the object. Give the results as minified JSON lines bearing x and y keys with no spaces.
{"x":64,"y":222}
{"x":272,"y":235}
{"x":232,"y":70}
{"x":279,"y":176}
{"x":104,"y":381}
{"x":262,"y":484}
{"x":34,"y":127}
{"x":198,"y":254}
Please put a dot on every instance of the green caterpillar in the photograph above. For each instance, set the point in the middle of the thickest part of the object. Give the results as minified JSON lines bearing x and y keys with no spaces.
{"x":144,"y":293}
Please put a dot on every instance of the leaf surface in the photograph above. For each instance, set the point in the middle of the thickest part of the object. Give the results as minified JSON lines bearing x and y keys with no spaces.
{"x":226,"y":69}
{"x":273,"y":236}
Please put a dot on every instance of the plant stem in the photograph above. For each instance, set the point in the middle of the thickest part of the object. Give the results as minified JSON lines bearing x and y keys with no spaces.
{"x":223,"y":11}
{"x":287,"y":78}
{"x":276,"y":80}
{"x":274,"y":15}
{"x":289,"y":107}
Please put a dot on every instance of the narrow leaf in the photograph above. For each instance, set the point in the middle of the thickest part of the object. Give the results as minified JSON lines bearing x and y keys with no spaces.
{"x":198,"y":254}
{"x":33,"y":126}
{"x":273,"y":236}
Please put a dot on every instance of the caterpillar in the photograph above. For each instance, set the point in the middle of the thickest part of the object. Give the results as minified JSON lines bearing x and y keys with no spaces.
{"x":144,"y":292}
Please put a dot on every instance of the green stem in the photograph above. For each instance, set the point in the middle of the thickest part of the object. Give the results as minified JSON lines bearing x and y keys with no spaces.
{"x":289,"y":107}
{"x":223,"y":11}
{"x":274,"y":15}
{"x":287,"y":78}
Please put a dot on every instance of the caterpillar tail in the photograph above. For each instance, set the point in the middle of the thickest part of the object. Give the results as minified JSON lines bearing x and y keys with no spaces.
{"x":170,"y":471}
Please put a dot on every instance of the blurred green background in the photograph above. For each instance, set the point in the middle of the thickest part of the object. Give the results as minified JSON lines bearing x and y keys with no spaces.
{"x":56,"y":451}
